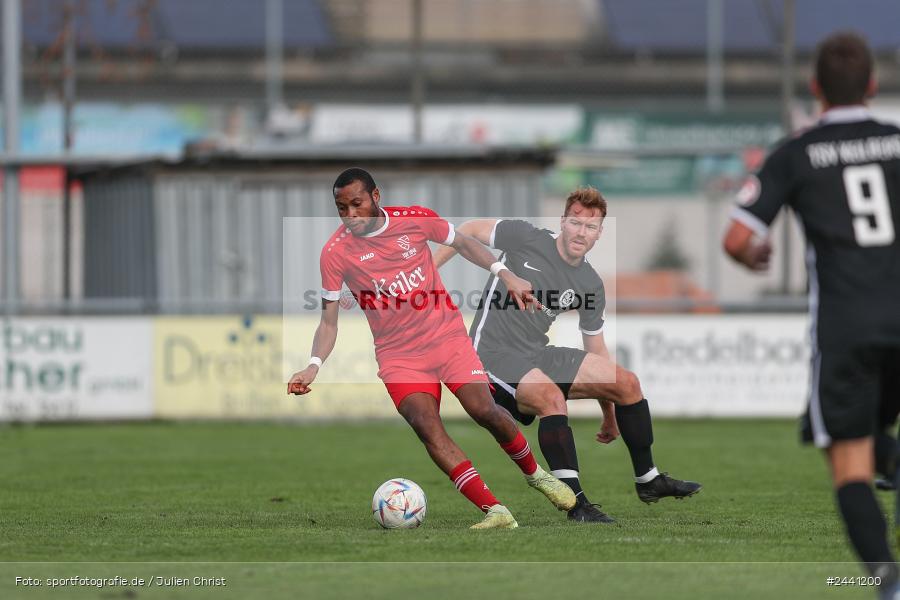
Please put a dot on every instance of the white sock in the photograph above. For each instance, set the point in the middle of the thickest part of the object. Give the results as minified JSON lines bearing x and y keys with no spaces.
{"x":565,"y":474}
{"x":648,"y":476}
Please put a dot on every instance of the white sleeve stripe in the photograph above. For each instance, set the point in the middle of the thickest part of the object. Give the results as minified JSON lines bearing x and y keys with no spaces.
{"x":451,"y":234}
{"x":494,"y":233}
{"x":331,"y":295}
{"x":595,"y":332}
{"x":745,"y":217}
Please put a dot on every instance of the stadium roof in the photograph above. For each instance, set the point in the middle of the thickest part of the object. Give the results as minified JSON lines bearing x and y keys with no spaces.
{"x":192,"y":24}
{"x":750,"y":25}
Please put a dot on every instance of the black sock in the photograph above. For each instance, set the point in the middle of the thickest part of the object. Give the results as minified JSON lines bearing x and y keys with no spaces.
{"x":637,"y":432}
{"x":866,"y":527}
{"x":558,"y":447}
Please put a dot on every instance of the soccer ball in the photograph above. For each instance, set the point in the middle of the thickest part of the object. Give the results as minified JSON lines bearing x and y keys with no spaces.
{"x":398,"y":504}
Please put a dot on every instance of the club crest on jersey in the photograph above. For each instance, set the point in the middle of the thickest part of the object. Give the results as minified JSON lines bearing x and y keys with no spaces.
{"x":567,"y":298}
{"x":749,"y":192}
{"x":403,"y":242}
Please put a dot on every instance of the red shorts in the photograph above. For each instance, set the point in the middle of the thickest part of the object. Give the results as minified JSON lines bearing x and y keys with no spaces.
{"x":453,"y":361}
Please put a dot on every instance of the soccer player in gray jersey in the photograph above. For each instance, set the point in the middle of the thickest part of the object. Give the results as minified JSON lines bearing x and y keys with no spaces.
{"x":842,"y":178}
{"x":532,"y":379}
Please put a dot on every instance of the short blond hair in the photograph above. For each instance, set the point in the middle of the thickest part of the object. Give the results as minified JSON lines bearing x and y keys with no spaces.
{"x":588,"y":197}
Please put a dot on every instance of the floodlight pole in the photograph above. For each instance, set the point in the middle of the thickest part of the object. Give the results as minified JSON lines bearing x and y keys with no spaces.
{"x":274,"y":54}
{"x":69,"y":55}
{"x":715,"y":103}
{"x":788,"y":49}
{"x":12,"y":97}
{"x":417,"y":88}
{"x":715,"y":95}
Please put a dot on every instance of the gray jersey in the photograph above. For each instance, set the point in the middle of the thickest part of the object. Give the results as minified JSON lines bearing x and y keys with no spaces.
{"x":531,"y":254}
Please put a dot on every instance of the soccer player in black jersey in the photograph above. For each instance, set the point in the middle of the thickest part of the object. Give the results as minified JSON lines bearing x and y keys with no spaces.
{"x":842,"y":178}
{"x":532,"y":379}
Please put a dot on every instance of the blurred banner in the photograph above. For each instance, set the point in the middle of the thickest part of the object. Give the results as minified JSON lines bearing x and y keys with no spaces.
{"x":690,"y":139}
{"x":714,"y":365}
{"x":448,"y":124}
{"x":232,"y":367}
{"x":75,"y":369}
{"x":236,"y":368}
{"x":219,"y":367}
{"x":106,"y":127}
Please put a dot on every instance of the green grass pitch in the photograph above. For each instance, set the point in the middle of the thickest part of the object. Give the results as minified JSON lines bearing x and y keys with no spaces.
{"x":283,"y":511}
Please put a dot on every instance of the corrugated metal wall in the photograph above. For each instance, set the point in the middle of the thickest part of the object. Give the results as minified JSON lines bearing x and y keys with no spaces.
{"x":220,"y":237}
{"x":217,"y":234}
{"x":119,"y":242}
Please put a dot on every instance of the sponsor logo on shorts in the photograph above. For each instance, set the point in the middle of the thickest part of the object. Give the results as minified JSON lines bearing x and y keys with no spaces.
{"x":477,"y":372}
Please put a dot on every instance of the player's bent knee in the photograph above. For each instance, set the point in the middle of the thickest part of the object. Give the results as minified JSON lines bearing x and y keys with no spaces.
{"x":628,"y":387}
{"x":482,"y":413}
{"x":556,"y":405}
{"x":551,"y":405}
{"x":419,"y":421}
{"x":420,"y":413}
{"x":542,"y":405}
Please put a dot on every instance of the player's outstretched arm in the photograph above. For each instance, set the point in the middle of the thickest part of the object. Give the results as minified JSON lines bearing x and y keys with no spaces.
{"x":480,"y":229}
{"x":740,"y":244}
{"x":476,"y":253}
{"x":323,"y":344}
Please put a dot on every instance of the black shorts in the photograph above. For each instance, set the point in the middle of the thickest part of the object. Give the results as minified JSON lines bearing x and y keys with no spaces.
{"x":506,"y":369}
{"x":854,"y":393}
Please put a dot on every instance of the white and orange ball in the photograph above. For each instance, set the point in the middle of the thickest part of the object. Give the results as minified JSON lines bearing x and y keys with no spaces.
{"x":399,"y":504}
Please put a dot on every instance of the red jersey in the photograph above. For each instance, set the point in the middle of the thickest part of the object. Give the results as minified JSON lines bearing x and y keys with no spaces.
{"x":392,"y":275}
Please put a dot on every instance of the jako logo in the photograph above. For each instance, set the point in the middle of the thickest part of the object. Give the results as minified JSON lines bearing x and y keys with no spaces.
{"x":367,"y":256}
{"x":477,"y":372}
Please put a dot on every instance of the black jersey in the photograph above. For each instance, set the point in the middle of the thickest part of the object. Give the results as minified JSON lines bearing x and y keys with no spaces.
{"x":842,"y":178}
{"x":531,"y":254}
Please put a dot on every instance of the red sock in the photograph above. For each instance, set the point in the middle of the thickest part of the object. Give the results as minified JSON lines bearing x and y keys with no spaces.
{"x":519,"y":451}
{"x":469,"y":483}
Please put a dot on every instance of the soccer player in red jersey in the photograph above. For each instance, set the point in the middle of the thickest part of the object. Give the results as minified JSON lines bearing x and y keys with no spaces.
{"x":382,"y":255}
